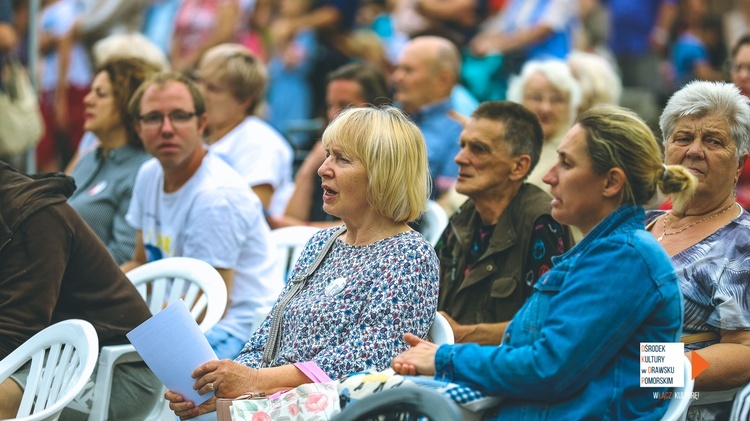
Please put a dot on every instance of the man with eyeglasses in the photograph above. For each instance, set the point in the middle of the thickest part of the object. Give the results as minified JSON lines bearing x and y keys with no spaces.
{"x":192,"y":204}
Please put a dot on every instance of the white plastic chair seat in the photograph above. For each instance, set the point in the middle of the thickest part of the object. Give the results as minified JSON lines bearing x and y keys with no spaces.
{"x":440,"y":332}
{"x":433,"y":223}
{"x":63,"y":357}
{"x":289,"y":242}
{"x":161,"y":283}
{"x":741,"y":407}
{"x":678,"y":405}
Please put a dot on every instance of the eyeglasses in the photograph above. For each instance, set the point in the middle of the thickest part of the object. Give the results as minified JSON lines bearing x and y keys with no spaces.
{"x":554,"y":100}
{"x":177,"y":118}
{"x":739,"y":67}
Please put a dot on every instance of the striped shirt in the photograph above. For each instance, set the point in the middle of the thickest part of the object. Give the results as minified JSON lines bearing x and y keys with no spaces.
{"x":102,"y":197}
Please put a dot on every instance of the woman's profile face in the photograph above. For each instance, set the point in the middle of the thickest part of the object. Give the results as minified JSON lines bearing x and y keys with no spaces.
{"x":703,"y":145}
{"x":550,"y":104}
{"x":345,"y":184}
{"x":576,"y":189}
{"x":101,"y":114}
{"x":222,"y":108}
{"x":741,"y":69}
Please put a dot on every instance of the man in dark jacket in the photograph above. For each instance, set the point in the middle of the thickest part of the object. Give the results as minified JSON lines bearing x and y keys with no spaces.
{"x":52,"y":268}
{"x":503,"y":238}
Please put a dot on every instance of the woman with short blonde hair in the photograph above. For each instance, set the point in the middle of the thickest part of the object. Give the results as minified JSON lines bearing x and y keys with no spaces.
{"x":391,"y":148}
{"x":233,"y":82}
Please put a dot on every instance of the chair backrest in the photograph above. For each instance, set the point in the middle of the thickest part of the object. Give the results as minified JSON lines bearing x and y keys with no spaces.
{"x":681,"y":396}
{"x":440,"y":332}
{"x":63,"y":356}
{"x":160,"y":283}
{"x":400,"y":401}
{"x":741,"y":407}
{"x":289,"y":243}
{"x":165,"y":281}
{"x":433,"y":222}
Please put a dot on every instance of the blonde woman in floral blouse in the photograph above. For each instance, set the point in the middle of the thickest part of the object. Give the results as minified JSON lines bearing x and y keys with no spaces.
{"x":378,"y":280}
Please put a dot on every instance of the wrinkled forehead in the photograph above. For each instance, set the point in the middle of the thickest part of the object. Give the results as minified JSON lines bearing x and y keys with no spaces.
{"x":703,"y":122}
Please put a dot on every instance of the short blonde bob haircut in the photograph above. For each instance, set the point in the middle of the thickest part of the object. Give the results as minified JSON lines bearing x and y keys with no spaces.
{"x":244,"y":74}
{"x":618,"y":138}
{"x":392,"y":150}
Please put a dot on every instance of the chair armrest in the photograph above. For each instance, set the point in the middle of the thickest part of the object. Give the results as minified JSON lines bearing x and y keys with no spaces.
{"x":109,"y":356}
{"x":707,"y":398}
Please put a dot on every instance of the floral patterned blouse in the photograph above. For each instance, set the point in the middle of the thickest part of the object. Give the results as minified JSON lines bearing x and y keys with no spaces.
{"x":352,"y":314}
{"x":715,"y":279}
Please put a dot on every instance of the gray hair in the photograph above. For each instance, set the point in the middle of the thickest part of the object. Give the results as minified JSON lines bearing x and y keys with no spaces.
{"x":700,"y":98}
{"x":559,"y":75}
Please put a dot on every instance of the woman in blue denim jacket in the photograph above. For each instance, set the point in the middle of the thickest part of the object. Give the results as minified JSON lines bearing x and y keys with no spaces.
{"x":572,"y":351}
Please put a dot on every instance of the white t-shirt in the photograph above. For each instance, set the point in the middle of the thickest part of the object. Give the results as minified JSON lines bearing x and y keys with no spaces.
{"x":262,"y":156}
{"x":213,"y":217}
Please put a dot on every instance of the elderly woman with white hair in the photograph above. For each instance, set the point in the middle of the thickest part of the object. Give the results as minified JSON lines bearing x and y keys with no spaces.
{"x":706,"y":128}
{"x":550,"y":91}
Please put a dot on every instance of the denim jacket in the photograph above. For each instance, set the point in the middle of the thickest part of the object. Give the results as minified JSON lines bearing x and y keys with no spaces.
{"x":572,"y":351}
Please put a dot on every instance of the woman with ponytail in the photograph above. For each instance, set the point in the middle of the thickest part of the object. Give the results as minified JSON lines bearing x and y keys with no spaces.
{"x":573,"y":350}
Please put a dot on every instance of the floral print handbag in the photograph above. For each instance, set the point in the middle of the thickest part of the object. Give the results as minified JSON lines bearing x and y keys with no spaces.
{"x":308,"y":402}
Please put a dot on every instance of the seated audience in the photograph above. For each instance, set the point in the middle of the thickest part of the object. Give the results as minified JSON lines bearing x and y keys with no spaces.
{"x":428,"y":69}
{"x":706,"y":129}
{"x":529,"y":30}
{"x":551,"y":92}
{"x":104,"y":179}
{"x":188,"y":202}
{"x":52,"y":268}
{"x":59,"y":142}
{"x":200,"y":25}
{"x":289,"y":69}
{"x":233,"y":81}
{"x":572,"y":351}
{"x":352,"y":85}
{"x":740,"y":73}
{"x":377,"y":279}
{"x":502,"y":239}
{"x":597,"y":78}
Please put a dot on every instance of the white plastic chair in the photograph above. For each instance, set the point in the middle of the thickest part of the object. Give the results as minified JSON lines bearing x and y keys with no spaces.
{"x":440,"y":332}
{"x":63,"y":357}
{"x":678,"y":405}
{"x":433,"y":223}
{"x":160,"y":283}
{"x":729,"y":395}
{"x":289,"y":243}
{"x":741,"y":407}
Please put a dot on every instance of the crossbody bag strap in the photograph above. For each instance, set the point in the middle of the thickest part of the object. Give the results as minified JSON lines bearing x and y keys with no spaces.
{"x":271,"y":349}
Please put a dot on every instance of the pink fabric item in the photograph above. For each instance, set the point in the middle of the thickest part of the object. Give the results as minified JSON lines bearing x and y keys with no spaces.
{"x":311,"y":370}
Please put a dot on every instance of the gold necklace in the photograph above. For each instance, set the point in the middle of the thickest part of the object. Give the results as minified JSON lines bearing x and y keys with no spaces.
{"x":664,"y":222}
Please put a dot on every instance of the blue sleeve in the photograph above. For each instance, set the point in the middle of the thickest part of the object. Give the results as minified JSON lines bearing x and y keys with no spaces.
{"x":6,"y":12}
{"x":549,"y":368}
{"x":347,"y":9}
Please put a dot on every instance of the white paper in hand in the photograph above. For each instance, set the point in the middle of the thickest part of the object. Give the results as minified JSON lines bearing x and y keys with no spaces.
{"x":173,"y":346}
